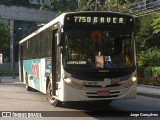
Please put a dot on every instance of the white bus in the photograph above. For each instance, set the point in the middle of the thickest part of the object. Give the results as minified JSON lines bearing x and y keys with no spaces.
{"x":81,"y":56}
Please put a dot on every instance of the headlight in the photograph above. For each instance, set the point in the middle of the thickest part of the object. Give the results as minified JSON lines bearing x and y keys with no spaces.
{"x":72,"y":83}
{"x":134,"y":79}
{"x":67,"y":80}
{"x":130,"y":82}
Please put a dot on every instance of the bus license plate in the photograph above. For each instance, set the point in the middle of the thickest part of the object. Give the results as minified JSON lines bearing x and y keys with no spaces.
{"x":103,"y":93}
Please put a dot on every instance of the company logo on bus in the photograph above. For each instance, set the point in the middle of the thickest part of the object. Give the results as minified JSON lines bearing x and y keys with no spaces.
{"x":35,"y":70}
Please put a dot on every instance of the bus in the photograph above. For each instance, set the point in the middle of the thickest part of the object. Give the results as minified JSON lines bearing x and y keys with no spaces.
{"x":81,"y":56}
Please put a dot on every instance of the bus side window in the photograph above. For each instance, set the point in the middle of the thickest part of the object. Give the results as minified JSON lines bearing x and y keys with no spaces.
{"x":42,"y":46}
{"x":24,"y":50}
{"x":49,"y":44}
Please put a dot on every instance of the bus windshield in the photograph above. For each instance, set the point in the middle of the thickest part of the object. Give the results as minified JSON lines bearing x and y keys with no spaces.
{"x":88,"y":49}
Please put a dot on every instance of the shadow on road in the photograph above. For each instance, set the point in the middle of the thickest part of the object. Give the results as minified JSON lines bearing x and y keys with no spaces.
{"x":89,"y":106}
{"x":95,"y":109}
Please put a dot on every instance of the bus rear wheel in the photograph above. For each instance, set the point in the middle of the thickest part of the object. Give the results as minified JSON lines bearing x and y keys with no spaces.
{"x":28,"y":88}
{"x":52,"y":100}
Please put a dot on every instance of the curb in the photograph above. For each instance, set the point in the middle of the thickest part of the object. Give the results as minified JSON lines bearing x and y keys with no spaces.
{"x":149,"y":86}
{"x":149,"y":95}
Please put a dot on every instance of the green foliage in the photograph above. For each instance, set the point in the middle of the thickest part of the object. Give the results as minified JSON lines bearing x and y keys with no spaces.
{"x":4,"y":38}
{"x":156,"y":24}
{"x":152,"y":75}
{"x":149,"y":76}
{"x":147,"y":72}
{"x":148,"y":49}
{"x":140,"y":72}
{"x":150,"y":57}
{"x":156,"y":72}
{"x":87,"y":5}
{"x":150,"y":66}
{"x":148,"y":35}
{"x":59,"y":5}
{"x":115,"y":5}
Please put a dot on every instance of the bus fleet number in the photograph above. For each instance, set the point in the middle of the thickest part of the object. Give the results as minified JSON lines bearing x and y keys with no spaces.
{"x":82,"y":19}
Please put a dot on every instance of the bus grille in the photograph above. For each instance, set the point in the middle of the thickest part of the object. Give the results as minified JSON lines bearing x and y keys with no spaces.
{"x":99,"y":86}
{"x":94,"y":95}
{"x":111,"y":96}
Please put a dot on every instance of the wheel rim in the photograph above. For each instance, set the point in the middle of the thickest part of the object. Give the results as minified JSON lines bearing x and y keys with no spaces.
{"x":51,"y":99}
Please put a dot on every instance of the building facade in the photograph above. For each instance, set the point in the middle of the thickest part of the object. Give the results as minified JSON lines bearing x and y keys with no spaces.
{"x":14,"y":12}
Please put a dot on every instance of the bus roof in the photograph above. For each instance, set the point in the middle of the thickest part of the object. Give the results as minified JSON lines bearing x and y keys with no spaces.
{"x":60,"y":19}
{"x":56,"y":20}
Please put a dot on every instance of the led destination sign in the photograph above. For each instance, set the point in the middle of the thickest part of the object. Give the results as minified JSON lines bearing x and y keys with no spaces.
{"x":99,"y":19}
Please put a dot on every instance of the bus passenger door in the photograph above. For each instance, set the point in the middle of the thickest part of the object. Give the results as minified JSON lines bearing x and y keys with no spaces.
{"x":55,"y":63}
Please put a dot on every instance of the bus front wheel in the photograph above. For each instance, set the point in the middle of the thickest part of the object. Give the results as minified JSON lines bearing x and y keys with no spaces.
{"x":52,"y":100}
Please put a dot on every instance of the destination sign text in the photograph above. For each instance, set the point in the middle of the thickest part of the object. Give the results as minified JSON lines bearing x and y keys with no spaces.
{"x":99,"y":20}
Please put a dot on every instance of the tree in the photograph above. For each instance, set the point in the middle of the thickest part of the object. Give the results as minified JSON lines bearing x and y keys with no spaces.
{"x":4,"y":39}
{"x":87,"y":5}
{"x":149,"y":46}
{"x":59,"y":5}
{"x":102,"y":5}
{"x":156,"y":24}
{"x":148,"y":35}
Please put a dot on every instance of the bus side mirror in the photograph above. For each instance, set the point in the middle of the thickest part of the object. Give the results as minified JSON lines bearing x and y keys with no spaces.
{"x":60,"y":39}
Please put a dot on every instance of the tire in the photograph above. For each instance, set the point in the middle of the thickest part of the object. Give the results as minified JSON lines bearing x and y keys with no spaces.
{"x":52,"y":100}
{"x":28,"y":88}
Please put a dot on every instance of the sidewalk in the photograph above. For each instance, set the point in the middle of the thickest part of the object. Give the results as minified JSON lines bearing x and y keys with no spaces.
{"x":146,"y":90}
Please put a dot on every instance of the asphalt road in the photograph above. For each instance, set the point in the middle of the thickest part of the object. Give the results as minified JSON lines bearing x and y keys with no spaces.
{"x":14,"y":98}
